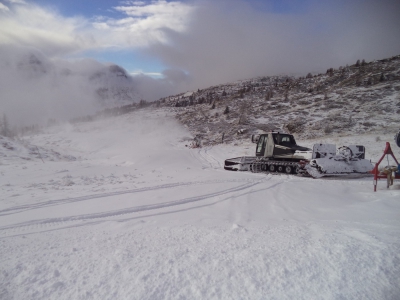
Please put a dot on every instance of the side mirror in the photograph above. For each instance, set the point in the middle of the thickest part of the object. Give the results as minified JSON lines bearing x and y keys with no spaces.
{"x":397,"y":139}
{"x":255,"y":138}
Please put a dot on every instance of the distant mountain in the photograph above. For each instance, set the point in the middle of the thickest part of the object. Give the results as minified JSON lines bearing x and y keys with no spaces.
{"x":114,"y":86}
{"x":56,"y":86}
{"x":356,"y":99}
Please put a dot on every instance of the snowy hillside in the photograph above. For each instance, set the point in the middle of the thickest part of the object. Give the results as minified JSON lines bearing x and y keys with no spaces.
{"x":126,"y":210}
{"x":349,"y":100}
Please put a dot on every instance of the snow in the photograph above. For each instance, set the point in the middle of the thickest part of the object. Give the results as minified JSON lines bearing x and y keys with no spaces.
{"x":137,"y":214}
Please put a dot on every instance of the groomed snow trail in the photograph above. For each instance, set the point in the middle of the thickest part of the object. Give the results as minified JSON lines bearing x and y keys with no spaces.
{"x":141,"y":216}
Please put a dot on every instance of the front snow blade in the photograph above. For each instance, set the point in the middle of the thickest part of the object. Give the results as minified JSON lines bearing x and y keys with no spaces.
{"x":239,"y":163}
{"x":232,"y":164}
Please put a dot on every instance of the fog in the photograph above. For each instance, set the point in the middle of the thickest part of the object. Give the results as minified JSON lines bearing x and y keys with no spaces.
{"x":34,"y":88}
{"x":211,"y":42}
{"x":229,"y":40}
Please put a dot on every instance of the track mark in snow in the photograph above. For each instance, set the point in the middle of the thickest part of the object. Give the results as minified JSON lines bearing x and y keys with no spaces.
{"x":206,"y":159}
{"x":135,"y":209}
{"x":211,"y":159}
{"x":17,"y":209}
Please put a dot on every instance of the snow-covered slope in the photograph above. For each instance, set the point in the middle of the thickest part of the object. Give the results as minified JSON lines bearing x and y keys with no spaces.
{"x":139,"y":215}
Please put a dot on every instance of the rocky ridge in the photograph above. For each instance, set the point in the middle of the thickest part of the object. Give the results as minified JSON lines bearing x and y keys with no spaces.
{"x":356,"y":99}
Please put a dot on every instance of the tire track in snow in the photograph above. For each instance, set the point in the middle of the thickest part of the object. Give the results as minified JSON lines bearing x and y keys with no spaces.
{"x":17,"y":209}
{"x":197,"y":156}
{"x":212,"y":159}
{"x":206,"y":159}
{"x":142,"y":208}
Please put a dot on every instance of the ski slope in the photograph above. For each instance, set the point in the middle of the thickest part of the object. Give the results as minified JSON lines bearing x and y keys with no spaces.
{"x":128,"y":211}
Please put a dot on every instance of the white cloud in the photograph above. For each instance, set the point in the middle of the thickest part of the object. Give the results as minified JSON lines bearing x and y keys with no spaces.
{"x":30,"y":25}
{"x":3,"y":7}
{"x":141,"y":25}
{"x":16,"y":1}
{"x":151,"y":74}
{"x":146,"y":23}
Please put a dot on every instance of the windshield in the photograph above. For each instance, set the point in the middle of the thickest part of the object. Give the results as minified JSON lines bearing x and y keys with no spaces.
{"x":282,"y":139}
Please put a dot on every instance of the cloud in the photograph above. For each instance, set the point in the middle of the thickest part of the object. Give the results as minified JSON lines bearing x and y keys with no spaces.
{"x":145,"y":24}
{"x":53,"y":34}
{"x":229,"y":40}
{"x":34,"y":88}
{"x":16,"y":1}
{"x":151,"y":74}
{"x":3,"y":7}
{"x":139,"y":25}
{"x":218,"y":41}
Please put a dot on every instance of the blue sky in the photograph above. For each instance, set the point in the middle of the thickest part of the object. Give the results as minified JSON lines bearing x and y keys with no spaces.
{"x":90,"y":8}
{"x":135,"y":62}
{"x":87,"y":8}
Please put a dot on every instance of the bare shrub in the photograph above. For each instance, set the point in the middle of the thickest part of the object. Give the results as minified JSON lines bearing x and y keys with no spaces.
{"x":331,"y":105}
{"x":368,"y":124}
{"x":328,"y":129}
{"x":295,"y":126}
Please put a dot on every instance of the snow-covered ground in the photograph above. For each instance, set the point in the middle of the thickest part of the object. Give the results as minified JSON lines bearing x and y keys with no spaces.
{"x":123,"y":209}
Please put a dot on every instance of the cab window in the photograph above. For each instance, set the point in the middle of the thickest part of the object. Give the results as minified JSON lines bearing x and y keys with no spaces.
{"x":260,"y":143}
